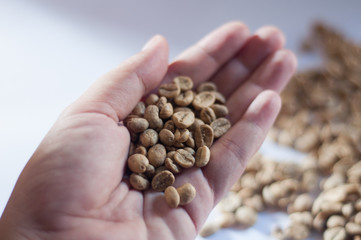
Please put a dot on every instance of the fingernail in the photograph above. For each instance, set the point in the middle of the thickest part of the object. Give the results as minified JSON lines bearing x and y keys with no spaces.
{"x":150,"y":43}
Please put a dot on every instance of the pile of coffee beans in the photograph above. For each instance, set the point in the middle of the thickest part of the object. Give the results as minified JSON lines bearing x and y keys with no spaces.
{"x":172,"y":131}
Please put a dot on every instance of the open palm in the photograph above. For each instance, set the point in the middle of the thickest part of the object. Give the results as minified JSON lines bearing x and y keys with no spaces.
{"x":72,"y":187}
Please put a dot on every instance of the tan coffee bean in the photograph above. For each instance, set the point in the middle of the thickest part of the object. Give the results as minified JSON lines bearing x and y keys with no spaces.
{"x":159,"y":169}
{"x":170,"y":154}
{"x":246,"y":216}
{"x":171,"y":197}
{"x":161,"y":102}
{"x":141,"y":150}
{"x":182,"y":109}
{"x":204,"y":136}
{"x":150,"y":172}
{"x":169,"y":90}
{"x":138,"y":163}
{"x":190,"y":141}
{"x":336,"y":221}
{"x":203,"y":99}
{"x":166,"y":137}
{"x":185,"y":98}
{"x":167,"y":111}
{"x":207,"y":86}
{"x":172,"y":166}
{"x":184,"y":158}
{"x":190,"y":150}
{"x":202,"y":157}
{"x":152,"y":99}
{"x":162,"y":180}
{"x":181,"y":135}
{"x":183,"y":119}
{"x":156,"y":155}
{"x":353,"y":228}
{"x":197,"y":123}
{"x":220,"y":126}
{"x":185,"y":83}
{"x":148,"y":138}
{"x":186,"y":193}
{"x":137,"y":125}
{"x":207,"y":115}
{"x":138,"y":181}
{"x":139,"y":109}
{"x":219,"y":98}
{"x":169,"y":125}
{"x":302,"y":203}
{"x":171,"y":148}
{"x":335,"y":233}
{"x":220,"y":110}
{"x":152,"y":115}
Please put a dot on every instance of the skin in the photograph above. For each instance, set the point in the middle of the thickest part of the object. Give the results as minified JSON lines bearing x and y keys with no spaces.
{"x":72,"y":187}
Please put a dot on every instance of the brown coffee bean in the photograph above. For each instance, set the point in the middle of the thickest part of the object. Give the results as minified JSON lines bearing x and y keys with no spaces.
{"x":207,"y":86}
{"x":137,"y":125}
{"x":159,"y":169}
{"x":166,"y":137}
{"x":138,"y":163}
{"x":152,"y":99}
{"x":207,"y":115}
{"x":203,"y":99}
{"x":139,"y":109}
{"x":220,"y":126}
{"x":134,"y":136}
{"x":152,"y":115}
{"x":131,"y":149}
{"x":171,"y":148}
{"x":220,"y":110}
{"x":150,"y":172}
{"x":161,"y":102}
{"x":190,"y":150}
{"x":172,"y":166}
{"x":169,"y":90}
{"x":156,"y":155}
{"x":139,"y":181}
{"x":162,"y":180}
{"x":141,"y":150}
{"x":186,"y":193}
{"x":185,"y":83}
{"x":202,"y":157}
{"x":184,"y":158}
{"x":219,"y":98}
{"x":169,"y":125}
{"x":148,"y":138}
{"x":167,"y":111}
{"x":204,"y":136}
{"x":171,"y":197}
{"x":183,"y":119}
{"x":178,"y":145}
{"x":181,"y":135}
{"x":182,"y":109}
{"x":185,"y":98}
{"x":197,"y":122}
{"x":190,"y":141}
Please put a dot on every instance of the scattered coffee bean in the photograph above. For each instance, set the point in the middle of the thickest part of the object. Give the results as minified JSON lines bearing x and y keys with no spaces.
{"x":162,"y":180}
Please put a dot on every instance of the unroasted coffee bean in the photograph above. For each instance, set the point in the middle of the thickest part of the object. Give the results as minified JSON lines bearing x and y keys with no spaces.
{"x":138,"y":163}
{"x":161,"y":102}
{"x":203,"y":99}
{"x":202,"y":157}
{"x":162,"y":180}
{"x":246,"y":216}
{"x":139,"y":109}
{"x":141,"y":150}
{"x":137,"y":125}
{"x":186,"y":193}
{"x":148,"y":138}
{"x":196,"y":124}
{"x":152,"y":115}
{"x":169,"y":125}
{"x":204,"y":136}
{"x":139,"y":181}
{"x":171,"y":197}
{"x":182,"y":109}
{"x":184,"y":158}
{"x":190,"y":141}
{"x":152,"y":99}
{"x":166,"y":111}
{"x":353,"y":228}
{"x":220,"y":110}
{"x":172,"y":166}
{"x":184,"y":99}
{"x":150,"y":172}
{"x":169,"y":90}
{"x":185,"y":83}
{"x":166,"y":137}
{"x":220,"y":127}
{"x":183,"y":119}
{"x":156,"y":155}
{"x":335,"y":233}
{"x":159,"y":169}
{"x":219,"y":97}
{"x":207,"y":115}
{"x":190,"y":150}
{"x":181,"y":135}
{"x":207,"y":86}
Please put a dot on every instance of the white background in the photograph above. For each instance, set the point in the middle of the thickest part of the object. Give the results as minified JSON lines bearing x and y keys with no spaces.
{"x":51,"y":51}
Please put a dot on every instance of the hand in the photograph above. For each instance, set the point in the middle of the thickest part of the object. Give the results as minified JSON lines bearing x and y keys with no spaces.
{"x":72,"y":186}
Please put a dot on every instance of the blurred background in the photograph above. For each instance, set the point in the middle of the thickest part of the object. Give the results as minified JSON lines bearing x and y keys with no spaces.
{"x":51,"y":51}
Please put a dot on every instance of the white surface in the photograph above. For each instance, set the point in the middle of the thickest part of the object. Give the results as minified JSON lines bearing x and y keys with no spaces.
{"x":51,"y":51}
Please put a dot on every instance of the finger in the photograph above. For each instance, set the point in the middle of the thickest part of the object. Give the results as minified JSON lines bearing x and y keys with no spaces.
{"x":117,"y":93}
{"x":273,"y":74}
{"x":263,"y":43}
{"x":204,"y":58}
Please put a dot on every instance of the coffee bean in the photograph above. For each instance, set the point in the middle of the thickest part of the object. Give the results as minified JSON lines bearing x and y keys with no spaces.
{"x":207,"y":115}
{"x":166,"y":137}
{"x":181,"y":135}
{"x":182,"y":109}
{"x":190,"y":150}
{"x":220,"y":110}
{"x":202,"y":157}
{"x":219,"y":97}
{"x":156,"y":155}
{"x":152,"y":115}
{"x":141,"y":150}
{"x":172,"y":166}
{"x":162,"y":180}
{"x":172,"y":197}
{"x":148,"y":138}
{"x":204,"y":136}
{"x":184,"y":158}
{"x":167,"y":111}
{"x":139,"y":181}
{"x":138,"y":163}
{"x":161,"y":102}
{"x":203,"y":99}
{"x":169,"y":125}
{"x":150,"y":172}
{"x":152,"y":99}
{"x":169,"y":90}
{"x":185,"y":98}
{"x":183,"y":119}
{"x":185,"y":83}
{"x":186,"y":193}
{"x":137,"y":125}
{"x":139,"y":109}
{"x":220,"y":126}
{"x":207,"y":86}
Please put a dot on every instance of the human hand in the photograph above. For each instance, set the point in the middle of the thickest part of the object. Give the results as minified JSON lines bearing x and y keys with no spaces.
{"x":72,"y":186}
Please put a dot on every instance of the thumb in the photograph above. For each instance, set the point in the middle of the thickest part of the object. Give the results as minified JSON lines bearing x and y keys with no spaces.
{"x":117,"y":92}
